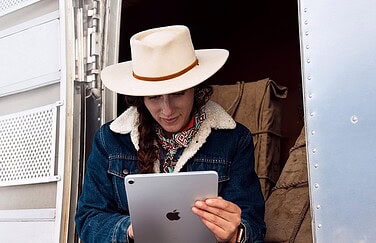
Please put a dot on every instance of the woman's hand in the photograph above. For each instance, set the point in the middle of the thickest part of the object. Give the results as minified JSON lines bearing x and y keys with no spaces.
{"x":130,"y":232}
{"x":220,"y":216}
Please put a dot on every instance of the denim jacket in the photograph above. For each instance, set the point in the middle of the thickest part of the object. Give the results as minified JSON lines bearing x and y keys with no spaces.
{"x":221,"y":144}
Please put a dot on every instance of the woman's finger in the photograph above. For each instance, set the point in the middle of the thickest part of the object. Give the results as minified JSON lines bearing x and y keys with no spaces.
{"x":130,"y":232}
{"x":221,"y":208}
{"x":220,"y":219}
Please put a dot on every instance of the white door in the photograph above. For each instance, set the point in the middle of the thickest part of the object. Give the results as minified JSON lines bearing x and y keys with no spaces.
{"x":50,"y":105}
{"x":32,"y":120}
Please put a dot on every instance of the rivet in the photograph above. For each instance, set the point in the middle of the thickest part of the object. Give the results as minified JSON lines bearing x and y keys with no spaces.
{"x":309,"y":77}
{"x":306,"y":33}
{"x":312,"y":114}
{"x":305,"y":10}
{"x":316,"y":166}
{"x":319,"y":226}
{"x":306,"y":22}
{"x":354,"y":119}
{"x":314,"y":150}
{"x":317,"y":185}
{"x":313,"y":132}
{"x":125,"y":172}
{"x":308,"y":60}
{"x":307,"y":46}
{"x":318,"y":206}
{"x":310,"y":95}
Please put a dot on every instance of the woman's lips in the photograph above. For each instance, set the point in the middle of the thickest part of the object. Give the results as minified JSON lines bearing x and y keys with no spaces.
{"x":170,"y":120}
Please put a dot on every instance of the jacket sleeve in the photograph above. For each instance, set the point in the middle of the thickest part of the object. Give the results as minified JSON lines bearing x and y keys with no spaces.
{"x":98,"y":218}
{"x":243,"y":188}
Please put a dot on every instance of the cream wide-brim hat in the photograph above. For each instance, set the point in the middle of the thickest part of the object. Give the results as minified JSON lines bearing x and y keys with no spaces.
{"x":163,"y":61}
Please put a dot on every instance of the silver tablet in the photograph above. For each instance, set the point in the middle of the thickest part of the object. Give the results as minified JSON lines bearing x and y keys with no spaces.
{"x":160,"y":206}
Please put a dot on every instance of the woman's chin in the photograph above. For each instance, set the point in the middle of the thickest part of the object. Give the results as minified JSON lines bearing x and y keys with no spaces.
{"x":171,"y":128}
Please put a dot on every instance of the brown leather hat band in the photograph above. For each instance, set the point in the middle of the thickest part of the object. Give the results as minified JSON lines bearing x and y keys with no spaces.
{"x":174,"y":75}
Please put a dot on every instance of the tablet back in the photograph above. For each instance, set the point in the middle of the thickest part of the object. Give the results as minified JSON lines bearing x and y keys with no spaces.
{"x":160,"y":206}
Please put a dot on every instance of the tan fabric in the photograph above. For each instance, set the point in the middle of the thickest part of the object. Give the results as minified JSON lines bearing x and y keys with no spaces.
{"x":257,"y":105}
{"x":287,"y":213}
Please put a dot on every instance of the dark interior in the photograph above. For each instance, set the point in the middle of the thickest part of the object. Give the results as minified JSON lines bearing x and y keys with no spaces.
{"x":262,"y":37}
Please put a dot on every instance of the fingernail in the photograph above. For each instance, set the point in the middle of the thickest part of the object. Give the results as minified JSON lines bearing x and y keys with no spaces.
{"x":209,"y":201}
{"x":199,"y":203}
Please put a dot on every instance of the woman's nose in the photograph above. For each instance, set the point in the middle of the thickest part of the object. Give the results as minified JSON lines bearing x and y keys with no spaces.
{"x":167,"y":107}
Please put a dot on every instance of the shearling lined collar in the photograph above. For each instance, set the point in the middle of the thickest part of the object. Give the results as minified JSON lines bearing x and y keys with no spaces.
{"x":217,"y":118}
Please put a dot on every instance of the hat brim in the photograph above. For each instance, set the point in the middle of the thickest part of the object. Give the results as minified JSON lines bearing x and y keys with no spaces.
{"x":119,"y":78}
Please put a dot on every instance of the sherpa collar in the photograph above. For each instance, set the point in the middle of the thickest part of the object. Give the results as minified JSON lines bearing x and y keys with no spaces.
{"x":217,"y":118}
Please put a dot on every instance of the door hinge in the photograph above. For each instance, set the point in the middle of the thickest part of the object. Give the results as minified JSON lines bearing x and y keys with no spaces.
{"x":94,"y":40}
{"x":89,"y":41}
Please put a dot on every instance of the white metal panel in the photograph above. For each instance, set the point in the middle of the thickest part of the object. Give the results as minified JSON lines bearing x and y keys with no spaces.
{"x":42,"y":195}
{"x":30,"y":12}
{"x":32,"y":225}
{"x":28,"y":215}
{"x":35,"y":50}
{"x":339,"y":74}
{"x":30,"y":55}
{"x":30,"y":232}
{"x":30,"y":99}
{"x":27,"y":146}
{"x":7,"y":6}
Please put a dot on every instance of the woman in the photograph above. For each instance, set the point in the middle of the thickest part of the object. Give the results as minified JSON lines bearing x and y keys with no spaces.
{"x":170,"y":126}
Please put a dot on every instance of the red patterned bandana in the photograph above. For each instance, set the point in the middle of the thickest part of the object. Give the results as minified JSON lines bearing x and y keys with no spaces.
{"x":178,"y":140}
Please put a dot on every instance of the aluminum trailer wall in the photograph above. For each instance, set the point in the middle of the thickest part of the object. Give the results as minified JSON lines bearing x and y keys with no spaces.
{"x":339,"y":72}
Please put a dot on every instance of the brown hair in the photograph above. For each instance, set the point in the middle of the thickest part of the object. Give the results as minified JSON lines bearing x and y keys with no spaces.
{"x":148,"y":152}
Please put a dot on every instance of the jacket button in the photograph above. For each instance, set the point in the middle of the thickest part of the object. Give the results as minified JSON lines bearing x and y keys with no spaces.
{"x":125,"y":172}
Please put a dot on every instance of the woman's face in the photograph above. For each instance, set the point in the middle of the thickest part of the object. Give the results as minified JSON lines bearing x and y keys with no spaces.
{"x":171,"y":111}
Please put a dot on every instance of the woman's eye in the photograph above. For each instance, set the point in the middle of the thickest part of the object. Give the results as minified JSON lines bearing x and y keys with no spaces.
{"x":154,"y":97}
{"x":179,"y":93}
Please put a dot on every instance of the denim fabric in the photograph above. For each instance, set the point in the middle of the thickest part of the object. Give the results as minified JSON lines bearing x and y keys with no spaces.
{"x":102,"y":213}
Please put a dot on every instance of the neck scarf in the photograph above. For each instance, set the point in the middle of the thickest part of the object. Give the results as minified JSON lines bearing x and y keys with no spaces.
{"x":178,"y":140}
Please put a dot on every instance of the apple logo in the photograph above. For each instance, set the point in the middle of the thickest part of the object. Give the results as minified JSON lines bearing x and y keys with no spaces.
{"x":174,"y":215}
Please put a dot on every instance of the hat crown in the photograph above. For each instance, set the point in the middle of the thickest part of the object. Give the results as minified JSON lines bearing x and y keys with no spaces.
{"x":162,"y":51}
